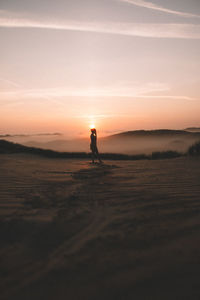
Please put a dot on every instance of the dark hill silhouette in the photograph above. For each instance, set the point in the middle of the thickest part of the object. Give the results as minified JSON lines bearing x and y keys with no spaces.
{"x":10,"y":147}
{"x":156,"y":133}
{"x":193,"y":129}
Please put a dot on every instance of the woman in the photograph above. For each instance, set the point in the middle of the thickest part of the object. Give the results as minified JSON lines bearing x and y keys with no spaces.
{"x":93,"y":145}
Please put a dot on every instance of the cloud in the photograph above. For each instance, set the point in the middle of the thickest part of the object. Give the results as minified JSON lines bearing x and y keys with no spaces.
{"x":98,"y":116}
{"x":118,"y":90}
{"x":175,"y":97}
{"x":150,"y":5}
{"x":8,"y":83}
{"x":149,"y":30}
{"x":56,"y":95}
{"x":29,"y":135}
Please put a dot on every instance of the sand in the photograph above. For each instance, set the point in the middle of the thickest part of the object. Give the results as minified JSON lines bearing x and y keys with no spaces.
{"x":73,"y":230}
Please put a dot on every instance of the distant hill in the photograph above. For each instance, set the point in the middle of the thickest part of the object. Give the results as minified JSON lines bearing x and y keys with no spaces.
{"x":148,"y":141}
{"x":193,"y":129}
{"x":156,"y":133}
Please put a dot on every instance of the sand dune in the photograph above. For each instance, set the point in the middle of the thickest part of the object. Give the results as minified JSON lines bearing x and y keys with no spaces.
{"x":124,"y":230}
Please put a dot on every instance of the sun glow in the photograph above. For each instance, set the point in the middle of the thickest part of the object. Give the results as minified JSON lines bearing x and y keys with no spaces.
{"x":92,"y":126}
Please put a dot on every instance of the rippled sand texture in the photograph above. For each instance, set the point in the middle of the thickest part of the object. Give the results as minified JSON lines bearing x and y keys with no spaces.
{"x":125,"y":230}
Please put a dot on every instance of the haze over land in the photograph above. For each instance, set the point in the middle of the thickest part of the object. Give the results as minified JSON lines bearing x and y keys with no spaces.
{"x":132,"y":142}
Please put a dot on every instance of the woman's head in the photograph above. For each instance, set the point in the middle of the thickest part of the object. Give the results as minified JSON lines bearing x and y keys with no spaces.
{"x":93,"y":130}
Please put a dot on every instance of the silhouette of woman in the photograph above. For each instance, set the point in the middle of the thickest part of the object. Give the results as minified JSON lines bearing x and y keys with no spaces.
{"x":93,"y":145}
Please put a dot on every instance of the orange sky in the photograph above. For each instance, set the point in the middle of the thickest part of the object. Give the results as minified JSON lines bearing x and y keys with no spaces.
{"x":122,"y":65}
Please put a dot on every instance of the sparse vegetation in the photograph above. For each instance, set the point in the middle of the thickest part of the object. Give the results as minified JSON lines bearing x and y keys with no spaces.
{"x":165,"y":154}
{"x":194,"y":150}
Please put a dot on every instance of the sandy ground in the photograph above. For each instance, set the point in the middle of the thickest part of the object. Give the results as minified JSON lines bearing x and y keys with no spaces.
{"x":125,"y":230}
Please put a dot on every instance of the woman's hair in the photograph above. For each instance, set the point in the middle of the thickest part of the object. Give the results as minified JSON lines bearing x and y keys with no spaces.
{"x":93,"y":130}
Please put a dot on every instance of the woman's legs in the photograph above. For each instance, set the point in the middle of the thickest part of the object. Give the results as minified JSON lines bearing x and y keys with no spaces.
{"x":93,"y":155}
{"x":97,"y":155}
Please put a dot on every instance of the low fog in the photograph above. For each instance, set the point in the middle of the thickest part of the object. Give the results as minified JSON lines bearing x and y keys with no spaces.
{"x":148,"y":143}
{"x":132,"y":142}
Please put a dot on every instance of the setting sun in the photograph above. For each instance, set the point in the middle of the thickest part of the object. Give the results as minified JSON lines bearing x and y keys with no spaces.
{"x":92,"y":126}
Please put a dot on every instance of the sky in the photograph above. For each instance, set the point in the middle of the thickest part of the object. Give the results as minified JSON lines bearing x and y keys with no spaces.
{"x":118,"y":64}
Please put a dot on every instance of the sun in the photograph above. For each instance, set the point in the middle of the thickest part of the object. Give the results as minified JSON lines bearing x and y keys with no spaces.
{"x":92,"y":126}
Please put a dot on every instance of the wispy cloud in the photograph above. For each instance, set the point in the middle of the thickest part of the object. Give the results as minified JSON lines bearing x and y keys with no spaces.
{"x":29,"y":135}
{"x":123,"y":90}
{"x":5,"y":83}
{"x":172,"y":97}
{"x":150,"y":5}
{"x":55,"y":95}
{"x":184,"y":31}
{"x":91,"y":118}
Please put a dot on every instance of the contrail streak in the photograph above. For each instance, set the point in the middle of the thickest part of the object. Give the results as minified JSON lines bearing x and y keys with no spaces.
{"x":150,"y":5}
{"x":148,"y":30}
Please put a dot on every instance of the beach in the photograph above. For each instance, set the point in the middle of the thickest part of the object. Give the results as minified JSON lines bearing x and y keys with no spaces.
{"x":121,"y":230}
